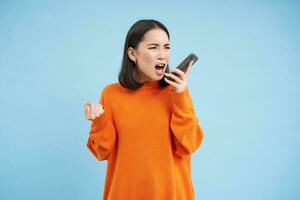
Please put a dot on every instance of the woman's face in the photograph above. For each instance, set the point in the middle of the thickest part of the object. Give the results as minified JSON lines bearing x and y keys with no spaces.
{"x":152,"y":56}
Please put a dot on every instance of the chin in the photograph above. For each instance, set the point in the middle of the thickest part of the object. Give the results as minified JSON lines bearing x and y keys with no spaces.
{"x":157,"y":78}
{"x":154,"y":77}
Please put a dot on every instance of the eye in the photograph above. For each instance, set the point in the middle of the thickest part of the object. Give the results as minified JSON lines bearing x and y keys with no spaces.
{"x":167,"y":47}
{"x":152,"y":48}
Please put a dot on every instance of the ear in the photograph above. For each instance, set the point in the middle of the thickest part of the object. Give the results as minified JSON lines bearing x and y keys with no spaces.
{"x":131,"y":54}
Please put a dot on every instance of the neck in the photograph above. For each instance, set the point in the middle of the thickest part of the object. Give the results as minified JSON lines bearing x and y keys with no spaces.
{"x":140,"y":77}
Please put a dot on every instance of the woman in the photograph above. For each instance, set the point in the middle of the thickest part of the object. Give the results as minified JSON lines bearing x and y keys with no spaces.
{"x":145,"y":126}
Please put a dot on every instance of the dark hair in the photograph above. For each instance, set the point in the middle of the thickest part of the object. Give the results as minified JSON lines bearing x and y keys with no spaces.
{"x":133,"y":38}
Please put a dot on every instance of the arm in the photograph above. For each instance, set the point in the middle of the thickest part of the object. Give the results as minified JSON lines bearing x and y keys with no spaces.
{"x":187,"y":134}
{"x":102,"y":135}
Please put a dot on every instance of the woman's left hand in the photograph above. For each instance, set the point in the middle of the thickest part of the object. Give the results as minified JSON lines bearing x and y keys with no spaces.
{"x":180,"y":81}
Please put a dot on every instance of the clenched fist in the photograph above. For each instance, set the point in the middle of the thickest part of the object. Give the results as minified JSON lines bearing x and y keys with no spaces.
{"x":91,"y":111}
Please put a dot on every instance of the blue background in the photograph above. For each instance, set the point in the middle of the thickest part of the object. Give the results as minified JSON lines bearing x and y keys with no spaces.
{"x":55,"y":55}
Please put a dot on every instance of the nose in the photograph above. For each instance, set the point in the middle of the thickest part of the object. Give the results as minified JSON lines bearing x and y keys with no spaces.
{"x":161,"y":55}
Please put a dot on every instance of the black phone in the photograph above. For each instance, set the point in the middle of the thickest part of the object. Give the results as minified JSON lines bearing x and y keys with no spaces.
{"x":185,"y":63}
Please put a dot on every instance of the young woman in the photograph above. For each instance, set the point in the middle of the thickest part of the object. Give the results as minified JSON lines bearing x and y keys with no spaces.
{"x":145,"y":126}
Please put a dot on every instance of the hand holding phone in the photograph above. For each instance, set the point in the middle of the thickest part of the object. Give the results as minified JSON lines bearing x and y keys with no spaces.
{"x":184,"y":64}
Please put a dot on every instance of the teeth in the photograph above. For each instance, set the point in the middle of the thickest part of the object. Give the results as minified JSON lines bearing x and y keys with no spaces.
{"x":160,"y":66}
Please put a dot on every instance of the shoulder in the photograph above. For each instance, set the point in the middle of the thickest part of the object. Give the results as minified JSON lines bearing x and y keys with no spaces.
{"x":111,"y":90}
{"x":111,"y":87}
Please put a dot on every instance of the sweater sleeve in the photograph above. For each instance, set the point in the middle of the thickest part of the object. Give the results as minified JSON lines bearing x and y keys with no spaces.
{"x":102,"y":135}
{"x":187,"y":134}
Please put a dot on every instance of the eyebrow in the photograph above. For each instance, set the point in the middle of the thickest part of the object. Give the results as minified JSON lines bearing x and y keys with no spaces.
{"x":156,"y":44}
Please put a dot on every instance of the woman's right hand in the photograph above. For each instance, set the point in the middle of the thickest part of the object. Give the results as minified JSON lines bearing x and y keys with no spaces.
{"x":91,"y":111}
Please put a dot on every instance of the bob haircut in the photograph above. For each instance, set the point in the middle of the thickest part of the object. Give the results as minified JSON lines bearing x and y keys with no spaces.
{"x":133,"y":38}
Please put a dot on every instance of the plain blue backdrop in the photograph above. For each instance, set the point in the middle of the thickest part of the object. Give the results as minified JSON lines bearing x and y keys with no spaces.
{"x":55,"y":55}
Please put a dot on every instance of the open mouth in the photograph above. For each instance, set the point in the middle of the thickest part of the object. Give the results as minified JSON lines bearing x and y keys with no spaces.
{"x":160,"y":67}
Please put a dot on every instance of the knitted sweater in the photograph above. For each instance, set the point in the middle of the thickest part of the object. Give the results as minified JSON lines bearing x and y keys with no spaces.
{"x":147,"y":137}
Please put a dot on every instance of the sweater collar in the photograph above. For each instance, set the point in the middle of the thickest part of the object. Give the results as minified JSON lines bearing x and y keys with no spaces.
{"x":151,"y":85}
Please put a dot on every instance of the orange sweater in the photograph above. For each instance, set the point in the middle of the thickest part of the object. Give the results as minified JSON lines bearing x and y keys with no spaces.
{"x":147,"y":136}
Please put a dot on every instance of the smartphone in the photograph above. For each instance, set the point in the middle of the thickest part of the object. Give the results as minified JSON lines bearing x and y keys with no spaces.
{"x":184,"y":64}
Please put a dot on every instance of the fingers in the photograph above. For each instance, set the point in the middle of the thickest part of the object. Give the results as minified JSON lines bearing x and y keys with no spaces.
{"x":183,"y":75}
{"x":92,"y":111}
{"x":174,"y":84}
{"x":178,"y":78}
{"x":98,"y":110}
{"x":176,"y":74}
{"x":173,"y":76}
{"x":87,"y":110}
{"x":95,"y":111}
{"x":86,"y":105}
{"x":179,"y":72}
